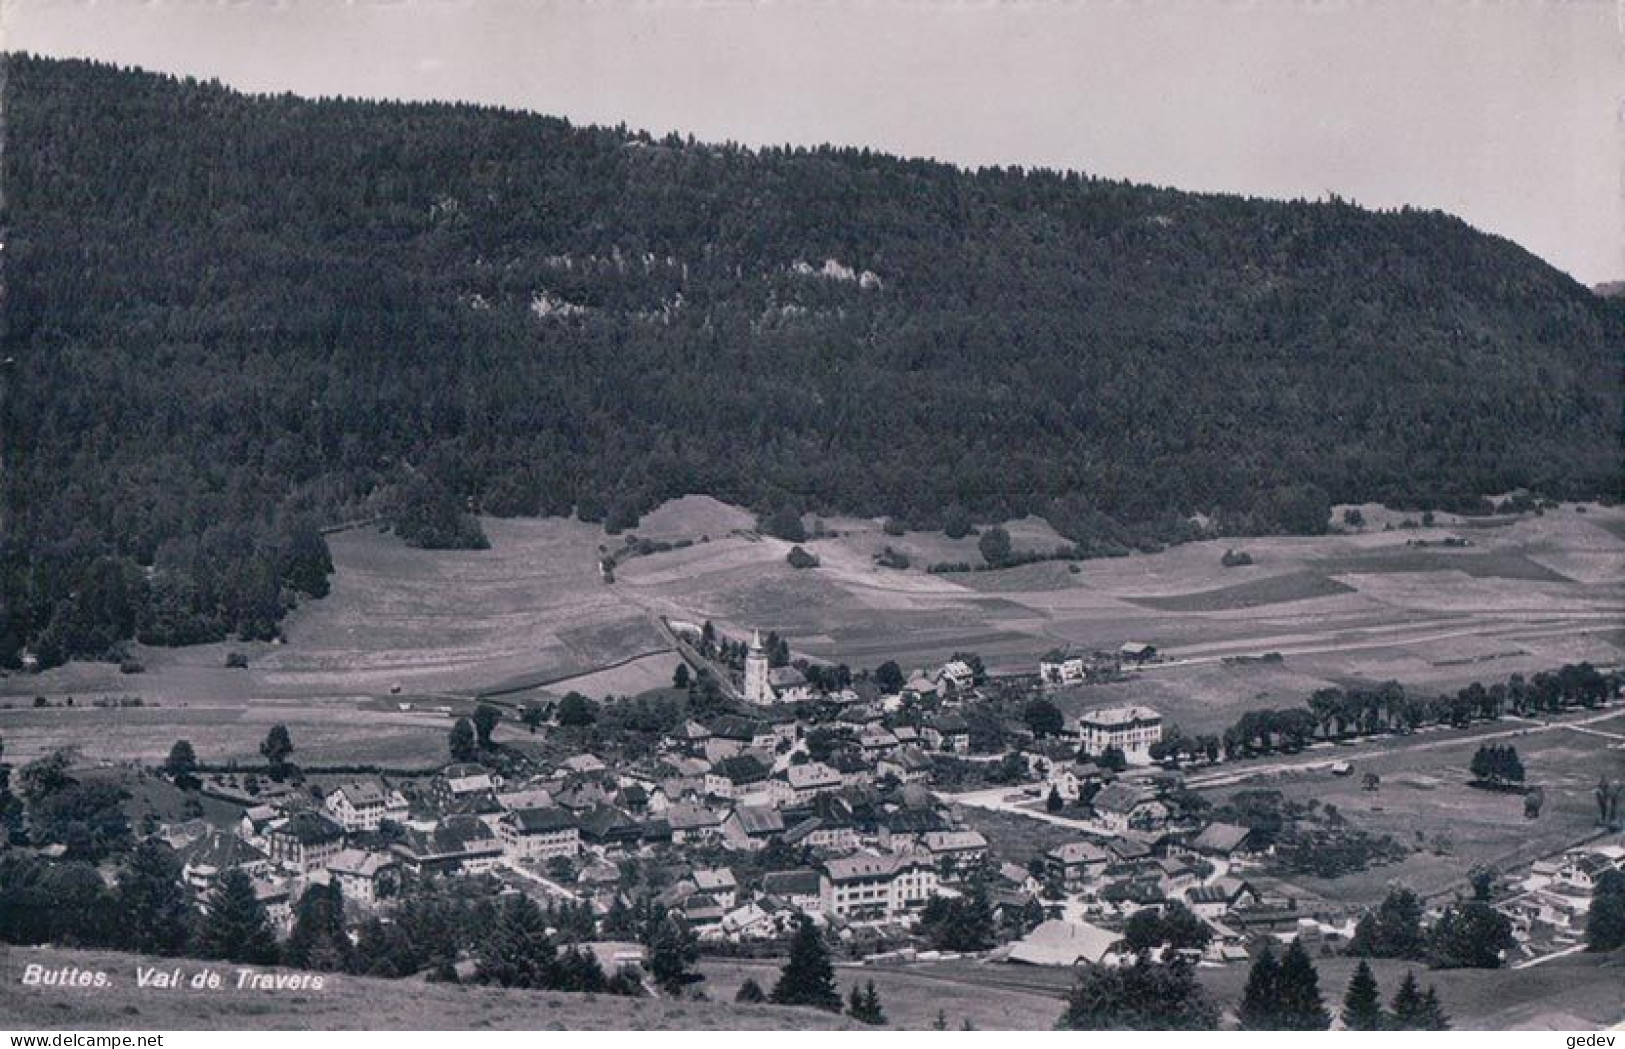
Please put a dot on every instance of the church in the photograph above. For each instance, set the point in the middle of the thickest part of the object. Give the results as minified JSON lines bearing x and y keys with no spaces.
{"x":764,"y":684}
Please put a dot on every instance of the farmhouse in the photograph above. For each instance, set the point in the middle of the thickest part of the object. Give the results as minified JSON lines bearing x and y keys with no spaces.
{"x":1221,"y":897}
{"x":1137,"y":652}
{"x":751,"y":827}
{"x":1067,"y":944}
{"x":1124,"y":806}
{"x":1223,"y":840}
{"x":1131,"y":730}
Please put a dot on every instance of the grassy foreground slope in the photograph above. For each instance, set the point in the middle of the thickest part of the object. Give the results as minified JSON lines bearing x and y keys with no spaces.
{"x":349,"y":1003}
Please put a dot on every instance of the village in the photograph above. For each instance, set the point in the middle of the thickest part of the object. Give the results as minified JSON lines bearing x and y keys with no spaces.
{"x":881,"y":815}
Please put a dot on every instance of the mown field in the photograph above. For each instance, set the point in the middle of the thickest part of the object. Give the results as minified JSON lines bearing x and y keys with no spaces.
{"x":1424,"y":801}
{"x":532,"y":612}
{"x":350,"y":1003}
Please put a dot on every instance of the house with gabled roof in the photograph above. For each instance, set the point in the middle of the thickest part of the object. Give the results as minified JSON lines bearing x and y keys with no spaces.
{"x":305,"y":842}
{"x":1122,"y":806}
{"x":691,"y":823}
{"x":539,"y":834}
{"x":751,"y":827}
{"x":461,"y":779}
{"x":881,"y":887}
{"x":948,"y":732}
{"x":455,"y":845}
{"x":739,"y":777}
{"x":798,"y":889}
{"x":908,"y":764}
{"x":1222,"y":840}
{"x":364,"y":876}
{"x":357,"y":806}
{"x":802,"y":783}
{"x":1077,"y":864}
{"x":955,"y":851}
{"x":205,"y":859}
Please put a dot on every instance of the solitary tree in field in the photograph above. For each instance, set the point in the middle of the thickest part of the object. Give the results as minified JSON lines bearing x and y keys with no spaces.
{"x":462,"y":741}
{"x":994,"y":546}
{"x":181,"y":765}
{"x":485,"y":722}
{"x":750,"y":993}
{"x":679,"y":677}
{"x":276,"y":749}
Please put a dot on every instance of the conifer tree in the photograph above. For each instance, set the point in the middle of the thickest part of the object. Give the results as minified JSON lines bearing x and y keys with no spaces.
{"x":1298,"y":992}
{"x":318,"y":940}
{"x":1260,"y":1000}
{"x":152,"y":901}
{"x":236,"y":928}
{"x":1605,"y":924}
{"x":1362,"y":1006}
{"x":518,"y":951}
{"x":1431,"y":1015}
{"x":1407,"y":1003}
{"x":808,"y":978}
{"x":863,"y":1005}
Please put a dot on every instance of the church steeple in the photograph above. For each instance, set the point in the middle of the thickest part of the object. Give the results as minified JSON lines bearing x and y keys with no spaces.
{"x":757,"y":687}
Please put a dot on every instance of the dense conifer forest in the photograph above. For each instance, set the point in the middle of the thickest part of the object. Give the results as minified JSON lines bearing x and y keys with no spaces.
{"x":232,"y":320}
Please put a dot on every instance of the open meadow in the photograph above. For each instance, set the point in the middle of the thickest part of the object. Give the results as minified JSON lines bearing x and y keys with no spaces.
{"x":1424,"y":801}
{"x":368,"y":672}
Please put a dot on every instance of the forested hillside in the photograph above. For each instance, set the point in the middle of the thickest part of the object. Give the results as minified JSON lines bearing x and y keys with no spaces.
{"x":235,"y":318}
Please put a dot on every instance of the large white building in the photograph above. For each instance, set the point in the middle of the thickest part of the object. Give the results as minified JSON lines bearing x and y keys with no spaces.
{"x":1130,"y":729}
{"x":877,"y":887}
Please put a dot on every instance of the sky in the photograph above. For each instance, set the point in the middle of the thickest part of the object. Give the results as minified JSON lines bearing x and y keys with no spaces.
{"x":1509,"y":113}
